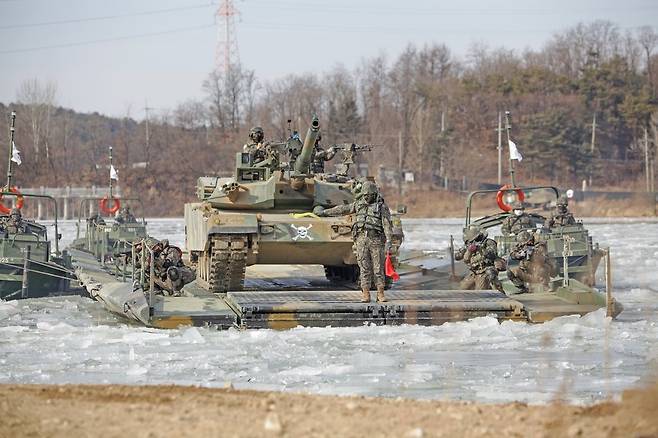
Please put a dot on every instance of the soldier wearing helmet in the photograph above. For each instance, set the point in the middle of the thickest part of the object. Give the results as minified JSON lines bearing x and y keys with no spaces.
{"x":535,"y":266}
{"x":255,"y":146}
{"x":480,"y":254}
{"x":371,"y":232}
{"x":518,"y":221}
{"x":14,"y":223}
{"x":125,"y":216}
{"x":561,"y":217}
{"x":320,"y":155}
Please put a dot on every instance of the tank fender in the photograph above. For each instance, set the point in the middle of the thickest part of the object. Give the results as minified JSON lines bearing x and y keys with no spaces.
{"x":232,"y":224}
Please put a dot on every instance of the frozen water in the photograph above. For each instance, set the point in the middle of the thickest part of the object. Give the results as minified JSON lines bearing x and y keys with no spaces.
{"x":581,"y":359}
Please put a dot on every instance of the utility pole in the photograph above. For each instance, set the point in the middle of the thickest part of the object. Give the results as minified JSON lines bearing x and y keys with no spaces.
{"x":646,"y":159}
{"x":400,"y":162}
{"x":500,"y":147}
{"x":593,"y":142}
{"x":147,"y":133}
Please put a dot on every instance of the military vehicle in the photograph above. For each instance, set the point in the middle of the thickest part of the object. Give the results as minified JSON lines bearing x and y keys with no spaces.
{"x":29,"y":265}
{"x":582,"y":255}
{"x":262,"y":215}
{"x":102,"y":237}
{"x":104,"y":240}
{"x":29,"y":268}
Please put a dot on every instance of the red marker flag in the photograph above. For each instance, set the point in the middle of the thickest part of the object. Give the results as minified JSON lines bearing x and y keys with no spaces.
{"x":390,"y":271}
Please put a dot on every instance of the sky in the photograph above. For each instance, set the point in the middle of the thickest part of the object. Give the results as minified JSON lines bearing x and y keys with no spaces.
{"x":115,"y":57}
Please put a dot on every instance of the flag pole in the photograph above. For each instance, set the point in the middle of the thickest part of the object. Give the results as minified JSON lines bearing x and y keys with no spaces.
{"x":508,"y":128}
{"x":12,"y":128}
{"x":111,"y":172}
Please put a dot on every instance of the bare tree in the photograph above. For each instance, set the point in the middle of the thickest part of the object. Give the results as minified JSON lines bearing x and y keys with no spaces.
{"x":648,"y":39}
{"x":40,"y":101}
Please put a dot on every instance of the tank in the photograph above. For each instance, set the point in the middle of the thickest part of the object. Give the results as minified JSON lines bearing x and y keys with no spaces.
{"x":263,"y":215}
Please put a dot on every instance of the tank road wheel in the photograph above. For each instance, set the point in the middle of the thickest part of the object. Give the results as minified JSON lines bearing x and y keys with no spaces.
{"x":227,"y":263}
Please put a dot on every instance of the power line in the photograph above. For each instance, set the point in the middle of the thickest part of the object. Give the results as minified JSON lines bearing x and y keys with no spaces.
{"x":106,"y":17}
{"x":105,"y":40}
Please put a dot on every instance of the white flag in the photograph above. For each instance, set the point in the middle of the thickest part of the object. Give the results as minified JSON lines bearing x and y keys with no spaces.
{"x":514,"y":153}
{"x":113,"y":173}
{"x":15,"y":154}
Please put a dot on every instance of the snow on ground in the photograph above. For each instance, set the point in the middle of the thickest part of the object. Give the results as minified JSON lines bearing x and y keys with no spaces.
{"x":581,"y":359}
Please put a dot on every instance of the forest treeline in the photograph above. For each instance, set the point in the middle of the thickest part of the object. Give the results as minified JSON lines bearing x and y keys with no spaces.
{"x":583,"y":107}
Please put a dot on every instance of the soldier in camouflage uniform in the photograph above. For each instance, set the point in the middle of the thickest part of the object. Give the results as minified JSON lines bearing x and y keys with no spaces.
{"x":518,"y":222}
{"x":535,"y":265}
{"x":255,"y":145}
{"x":14,"y":223}
{"x":481,"y":256}
{"x":320,"y":155}
{"x":125,"y":216}
{"x":372,"y":236}
{"x":561,"y":217}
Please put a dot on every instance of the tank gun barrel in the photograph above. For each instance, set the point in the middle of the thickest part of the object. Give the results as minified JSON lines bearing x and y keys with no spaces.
{"x":304,"y":159}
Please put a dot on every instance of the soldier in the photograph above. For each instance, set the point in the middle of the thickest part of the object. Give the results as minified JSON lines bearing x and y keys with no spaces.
{"x":96,"y":219}
{"x":125,"y":216}
{"x":561,"y":217}
{"x":535,"y":266}
{"x":481,"y":256}
{"x":372,"y":236}
{"x":14,"y":223}
{"x":518,"y":222}
{"x":256,"y":137}
{"x":320,"y":155}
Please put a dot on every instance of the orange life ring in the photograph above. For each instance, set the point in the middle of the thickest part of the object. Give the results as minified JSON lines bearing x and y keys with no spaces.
{"x":501,"y":192}
{"x":19,"y":201}
{"x":103,"y":204}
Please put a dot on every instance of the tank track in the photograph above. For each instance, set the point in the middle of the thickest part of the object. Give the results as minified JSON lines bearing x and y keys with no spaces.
{"x":227,"y":263}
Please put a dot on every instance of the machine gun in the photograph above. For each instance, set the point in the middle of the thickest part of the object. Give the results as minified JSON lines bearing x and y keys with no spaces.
{"x":349,"y":152}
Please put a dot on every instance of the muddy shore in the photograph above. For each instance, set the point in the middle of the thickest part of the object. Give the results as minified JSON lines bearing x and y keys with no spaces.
{"x":175,"y":411}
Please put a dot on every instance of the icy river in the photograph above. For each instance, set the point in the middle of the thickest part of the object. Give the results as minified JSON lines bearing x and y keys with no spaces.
{"x":580,"y":359}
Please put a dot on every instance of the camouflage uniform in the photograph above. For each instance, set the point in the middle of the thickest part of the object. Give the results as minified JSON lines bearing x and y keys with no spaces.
{"x":481,"y":256}
{"x":535,"y":265}
{"x":125,"y":216}
{"x":518,"y":222}
{"x":255,"y":146}
{"x":14,"y":223}
{"x":171,"y":274}
{"x":320,"y":155}
{"x":561,"y":217}
{"x":95,"y":219}
{"x":372,"y":236}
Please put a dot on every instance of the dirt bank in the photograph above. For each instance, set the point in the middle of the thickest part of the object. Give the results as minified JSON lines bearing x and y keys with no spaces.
{"x":175,"y":411}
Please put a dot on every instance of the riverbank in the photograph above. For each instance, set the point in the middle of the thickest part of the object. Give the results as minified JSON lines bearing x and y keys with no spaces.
{"x":174,"y":411}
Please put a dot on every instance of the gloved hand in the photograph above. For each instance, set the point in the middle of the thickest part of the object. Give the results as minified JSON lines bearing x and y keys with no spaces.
{"x":319,"y":211}
{"x":472,"y":247}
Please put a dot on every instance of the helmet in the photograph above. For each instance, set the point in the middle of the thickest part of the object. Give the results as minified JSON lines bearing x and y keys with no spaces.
{"x":563,"y":200}
{"x":474,"y":232}
{"x":524,"y":236}
{"x":15,"y":212}
{"x":369,"y":188}
{"x":369,"y":191}
{"x":256,"y":134}
{"x":518,"y":205}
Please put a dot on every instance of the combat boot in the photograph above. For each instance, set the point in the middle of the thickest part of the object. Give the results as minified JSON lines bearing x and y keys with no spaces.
{"x":365,"y":295}
{"x":380,"y":294}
